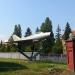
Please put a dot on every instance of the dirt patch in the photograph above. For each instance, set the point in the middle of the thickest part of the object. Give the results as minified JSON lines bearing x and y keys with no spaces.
{"x":67,"y":72}
{"x":56,"y":71}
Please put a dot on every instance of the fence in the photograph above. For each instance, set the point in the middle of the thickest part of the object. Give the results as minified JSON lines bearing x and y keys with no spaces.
{"x":54,"y":58}
{"x":17,"y":55}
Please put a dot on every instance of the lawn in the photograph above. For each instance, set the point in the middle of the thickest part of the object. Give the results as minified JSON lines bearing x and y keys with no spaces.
{"x":22,"y":67}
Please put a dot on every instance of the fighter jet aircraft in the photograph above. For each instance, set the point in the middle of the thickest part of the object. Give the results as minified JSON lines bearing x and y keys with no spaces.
{"x":29,"y":40}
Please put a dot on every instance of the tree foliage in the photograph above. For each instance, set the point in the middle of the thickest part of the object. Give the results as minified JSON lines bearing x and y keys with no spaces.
{"x":58,"y":34}
{"x":37,"y":30}
{"x":37,"y":45}
{"x":2,"y":47}
{"x":49,"y":42}
{"x":11,"y":47}
{"x":67,"y":31}
{"x":58,"y":48}
{"x":28,"y":32}
{"x":17,"y":30}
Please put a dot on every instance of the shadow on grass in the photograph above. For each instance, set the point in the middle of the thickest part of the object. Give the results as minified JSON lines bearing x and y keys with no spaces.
{"x":10,"y":66}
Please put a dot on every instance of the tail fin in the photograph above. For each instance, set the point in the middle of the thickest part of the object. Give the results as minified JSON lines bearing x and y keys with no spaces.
{"x":15,"y":38}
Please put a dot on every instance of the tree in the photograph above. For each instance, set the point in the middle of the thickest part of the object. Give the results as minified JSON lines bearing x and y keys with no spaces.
{"x":1,"y":43}
{"x":58,"y":34}
{"x":37,"y":45}
{"x":28,"y":32}
{"x":49,"y":42}
{"x":37,"y":30}
{"x":10,"y":46}
{"x":58,"y":48}
{"x":43,"y":27}
{"x":2,"y":47}
{"x":17,"y":30}
{"x":67,"y":31}
{"x":47,"y":26}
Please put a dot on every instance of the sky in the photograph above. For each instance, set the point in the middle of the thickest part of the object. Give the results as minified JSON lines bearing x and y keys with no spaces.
{"x":31,"y":13}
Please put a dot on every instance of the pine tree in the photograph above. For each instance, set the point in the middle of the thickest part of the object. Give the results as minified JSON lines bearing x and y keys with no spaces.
{"x":37,"y":45}
{"x":58,"y":34}
{"x":28,"y":32}
{"x":37,"y":30}
{"x":58,"y":49}
{"x":42,"y":27}
{"x":17,"y":30}
{"x":2,"y":47}
{"x":49,"y":42}
{"x":67,"y":31}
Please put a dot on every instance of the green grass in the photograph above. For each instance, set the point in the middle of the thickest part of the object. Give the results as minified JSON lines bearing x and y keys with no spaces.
{"x":22,"y":67}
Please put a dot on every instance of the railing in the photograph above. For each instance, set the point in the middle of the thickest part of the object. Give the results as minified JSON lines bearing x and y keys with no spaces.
{"x":54,"y":58}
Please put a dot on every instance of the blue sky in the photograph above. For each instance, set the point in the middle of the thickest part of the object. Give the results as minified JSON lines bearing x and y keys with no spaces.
{"x":31,"y":13}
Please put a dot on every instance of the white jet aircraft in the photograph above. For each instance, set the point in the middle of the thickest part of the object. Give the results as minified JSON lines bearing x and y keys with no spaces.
{"x":34,"y":37}
{"x":29,"y":40}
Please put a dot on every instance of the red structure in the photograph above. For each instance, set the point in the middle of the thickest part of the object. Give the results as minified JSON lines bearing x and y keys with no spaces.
{"x":70,"y":46}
